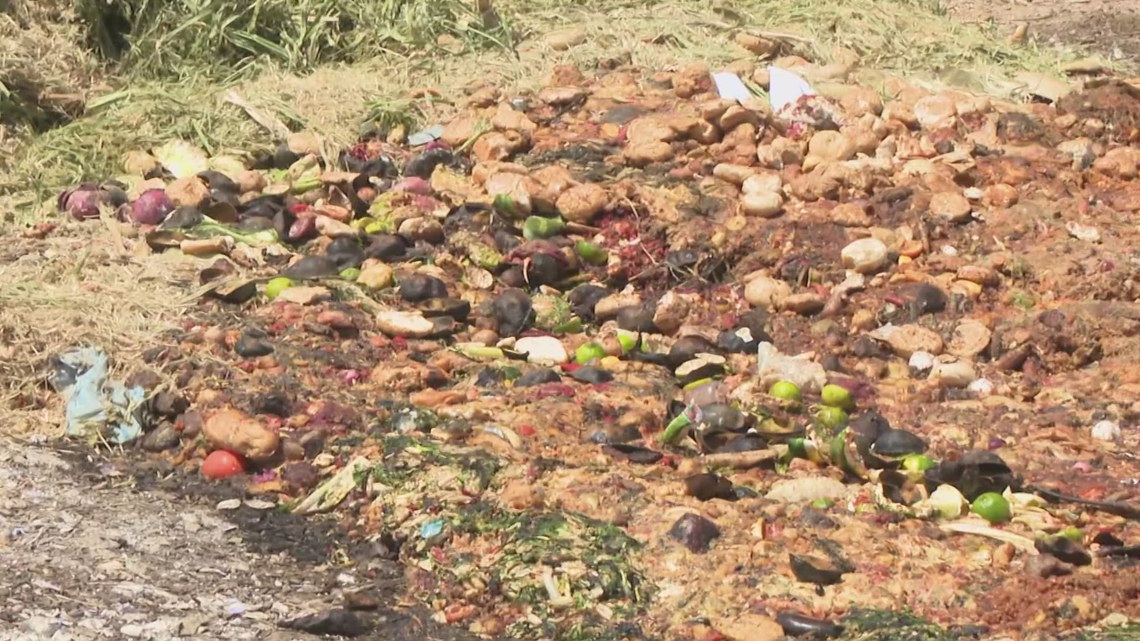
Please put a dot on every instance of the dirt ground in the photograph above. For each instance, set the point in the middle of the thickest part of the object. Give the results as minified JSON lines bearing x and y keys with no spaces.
{"x":93,"y":551}
{"x":1110,"y":28}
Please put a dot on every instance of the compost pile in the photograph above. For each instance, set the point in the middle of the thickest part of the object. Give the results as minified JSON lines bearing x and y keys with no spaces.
{"x":623,"y":359}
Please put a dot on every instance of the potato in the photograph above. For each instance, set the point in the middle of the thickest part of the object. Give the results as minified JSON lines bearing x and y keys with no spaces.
{"x":581,"y":203}
{"x":236,"y":431}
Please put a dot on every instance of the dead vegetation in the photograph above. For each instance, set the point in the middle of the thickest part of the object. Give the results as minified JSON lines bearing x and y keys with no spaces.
{"x":45,"y":69}
{"x":77,"y":289}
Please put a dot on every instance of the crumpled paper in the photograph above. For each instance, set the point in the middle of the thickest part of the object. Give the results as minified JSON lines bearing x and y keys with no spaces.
{"x":97,"y":408}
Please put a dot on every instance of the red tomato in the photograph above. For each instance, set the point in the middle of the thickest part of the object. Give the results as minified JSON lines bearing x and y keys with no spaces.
{"x":222,"y":464}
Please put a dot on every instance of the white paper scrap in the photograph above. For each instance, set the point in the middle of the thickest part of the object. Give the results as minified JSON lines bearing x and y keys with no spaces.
{"x":730,"y":86}
{"x":785,"y":88}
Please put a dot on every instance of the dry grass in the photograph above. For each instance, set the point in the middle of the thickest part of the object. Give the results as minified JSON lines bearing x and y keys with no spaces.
{"x":45,"y":72}
{"x":218,"y":38}
{"x":78,"y":287}
{"x":182,"y":55}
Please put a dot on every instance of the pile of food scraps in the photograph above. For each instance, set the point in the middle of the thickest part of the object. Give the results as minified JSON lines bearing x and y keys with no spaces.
{"x":624,"y":358}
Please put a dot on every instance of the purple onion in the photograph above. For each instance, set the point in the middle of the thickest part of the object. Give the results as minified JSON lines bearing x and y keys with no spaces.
{"x":413,"y":185}
{"x":304,"y":228}
{"x":264,"y":476}
{"x":151,"y":207}
{"x":995,"y":443}
{"x":425,"y":203}
{"x":351,"y":376}
{"x":81,"y":202}
{"x":66,"y":194}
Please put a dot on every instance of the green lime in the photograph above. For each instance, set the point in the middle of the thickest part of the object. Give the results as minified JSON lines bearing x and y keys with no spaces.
{"x":917,"y":463}
{"x":832,"y":418}
{"x":589,"y":352}
{"x":591,"y":253}
{"x":277,"y":285}
{"x":362,"y":223}
{"x":697,"y":383}
{"x":1072,"y":533}
{"x":837,"y":396}
{"x":797,"y":447}
{"x":540,"y":227}
{"x":786,"y":390}
{"x":837,"y":453}
{"x":822,"y":504}
{"x":628,"y":340}
{"x":992,"y":507}
{"x":504,"y":204}
{"x":572,"y":326}
{"x":378,"y":227}
{"x":350,"y":273}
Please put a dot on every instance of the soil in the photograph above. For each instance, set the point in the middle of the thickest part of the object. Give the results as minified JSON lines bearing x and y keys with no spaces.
{"x":93,"y":549}
{"x":1110,"y":28}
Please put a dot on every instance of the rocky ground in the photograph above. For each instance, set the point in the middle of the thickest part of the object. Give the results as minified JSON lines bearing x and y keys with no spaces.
{"x":520,"y":382}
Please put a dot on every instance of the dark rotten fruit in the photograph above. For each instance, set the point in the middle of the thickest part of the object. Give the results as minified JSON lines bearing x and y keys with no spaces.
{"x":584,"y":298}
{"x":456,"y":308}
{"x":514,"y":312}
{"x":311,"y":267}
{"x":388,"y":248}
{"x":975,"y":473}
{"x":538,"y":377}
{"x":707,"y":486}
{"x":687,"y":348}
{"x":637,"y":319}
{"x":420,"y":287}
{"x":591,"y":375}
{"x":423,"y":165}
{"x":632,"y":453}
{"x":813,"y":569}
{"x":543,"y":269}
{"x":183,"y":217}
{"x":801,"y":625}
{"x":1064,"y":549}
{"x":218,"y":181}
{"x":694,"y":532}
{"x":345,"y":252}
{"x":928,"y":299}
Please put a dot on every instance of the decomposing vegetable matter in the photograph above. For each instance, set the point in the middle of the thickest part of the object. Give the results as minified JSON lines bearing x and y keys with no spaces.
{"x":625,"y":357}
